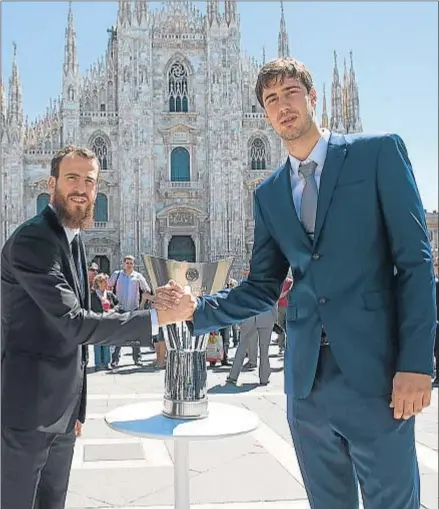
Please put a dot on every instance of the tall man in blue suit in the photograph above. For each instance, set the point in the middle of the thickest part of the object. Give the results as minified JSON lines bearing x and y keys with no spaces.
{"x":343,"y":212}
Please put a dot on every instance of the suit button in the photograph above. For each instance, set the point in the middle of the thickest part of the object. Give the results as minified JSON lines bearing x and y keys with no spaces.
{"x":323,"y":300}
{"x":316,"y":256}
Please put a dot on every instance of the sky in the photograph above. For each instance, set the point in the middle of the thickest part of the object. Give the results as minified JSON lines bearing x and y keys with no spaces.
{"x":395,"y":48}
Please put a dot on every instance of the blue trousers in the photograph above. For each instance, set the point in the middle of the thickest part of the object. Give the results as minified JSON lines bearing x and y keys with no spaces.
{"x":102,"y":355}
{"x":342,"y":438}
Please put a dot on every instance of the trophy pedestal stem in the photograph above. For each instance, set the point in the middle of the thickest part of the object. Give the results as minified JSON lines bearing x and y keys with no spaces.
{"x":181,"y":474}
{"x":185,"y":385}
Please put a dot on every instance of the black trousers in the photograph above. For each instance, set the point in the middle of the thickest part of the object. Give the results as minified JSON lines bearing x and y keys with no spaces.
{"x":116,"y":354}
{"x":35,"y":468}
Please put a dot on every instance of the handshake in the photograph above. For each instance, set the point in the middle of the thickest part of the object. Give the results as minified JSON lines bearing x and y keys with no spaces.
{"x":173,"y":303}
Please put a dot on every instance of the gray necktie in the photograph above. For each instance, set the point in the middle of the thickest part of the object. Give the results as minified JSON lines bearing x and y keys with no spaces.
{"x":308,"y":207}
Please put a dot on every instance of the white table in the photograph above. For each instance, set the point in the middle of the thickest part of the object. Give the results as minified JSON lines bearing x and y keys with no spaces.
{"x":146,"y":420}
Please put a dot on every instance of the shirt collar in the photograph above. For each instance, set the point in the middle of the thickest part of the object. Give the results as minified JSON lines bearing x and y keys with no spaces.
{"x":318,"y":153}
{"x":70,"y":232}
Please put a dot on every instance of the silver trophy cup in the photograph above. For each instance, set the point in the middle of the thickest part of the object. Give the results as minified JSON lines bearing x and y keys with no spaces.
{"x":186,"y":371}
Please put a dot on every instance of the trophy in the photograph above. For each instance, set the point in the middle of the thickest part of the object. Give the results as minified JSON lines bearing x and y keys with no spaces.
{"x":186,"y":371}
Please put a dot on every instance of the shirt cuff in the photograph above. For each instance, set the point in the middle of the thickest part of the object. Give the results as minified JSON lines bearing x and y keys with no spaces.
{"x":154,"y":322}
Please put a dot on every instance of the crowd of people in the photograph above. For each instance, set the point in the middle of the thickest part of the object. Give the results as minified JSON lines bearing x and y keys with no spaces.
{"x":252,"y":337}
{"x":127,"y":290}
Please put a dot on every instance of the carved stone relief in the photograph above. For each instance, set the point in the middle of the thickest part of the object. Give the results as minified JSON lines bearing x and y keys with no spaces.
{"x":181,"y":218}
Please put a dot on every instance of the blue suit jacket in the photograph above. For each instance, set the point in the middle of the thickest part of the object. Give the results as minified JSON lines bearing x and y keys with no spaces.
{"x":370,"y":219}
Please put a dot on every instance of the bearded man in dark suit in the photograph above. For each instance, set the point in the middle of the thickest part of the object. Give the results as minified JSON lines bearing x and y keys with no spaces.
{"x":46,"y":321}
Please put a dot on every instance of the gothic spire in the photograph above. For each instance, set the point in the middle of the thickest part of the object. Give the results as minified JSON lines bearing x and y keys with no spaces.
{"x":70,"y":57}
{"x":141,"y":11}
{"x":354,"y":98}
{"x":230,"y":11}
{"x":345,"y":76}
{"x":336,"y":101}
{"x":2,"y":102}
{"x":124,"y":14}
{"x":346,"y":107}
{"x":282,"y":45}
{"x":213,"y":12}
{"x":325,"y":122}
{"x":15,"y":110}
{"x":263,"y":55}
{"x":352,"y":71}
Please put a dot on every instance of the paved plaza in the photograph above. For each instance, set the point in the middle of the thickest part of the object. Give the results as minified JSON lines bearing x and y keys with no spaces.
{"x":254,"y":471}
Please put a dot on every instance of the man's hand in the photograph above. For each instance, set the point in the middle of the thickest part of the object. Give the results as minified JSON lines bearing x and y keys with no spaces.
{"x":78,"y":429}
{"x":411,"y":394}
{"x":183,"y":312}
{"x":168,"y":296}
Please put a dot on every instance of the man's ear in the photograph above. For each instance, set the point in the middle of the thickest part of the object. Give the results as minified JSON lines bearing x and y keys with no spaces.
{"x":52,"y":185}
{"x":313,"y":97}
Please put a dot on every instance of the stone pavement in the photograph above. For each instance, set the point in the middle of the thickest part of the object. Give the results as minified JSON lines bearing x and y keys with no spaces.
{"x":254,"y":471}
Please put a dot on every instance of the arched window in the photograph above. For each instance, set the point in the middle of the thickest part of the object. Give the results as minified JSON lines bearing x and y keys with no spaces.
{"x":42,"y":202}
{"x":101,"y":209}
{"x":110,"y":95}
{"x":95,"y":100}
{"x":102,"y":98}
{"x":180,"y":165}
{"x":87,"y":104}
{"x":100,"y":148}
{"x":233,"y":75}
{"x":71,"y":93}
{"x":178,"y":89}
{"x":258,"y":155}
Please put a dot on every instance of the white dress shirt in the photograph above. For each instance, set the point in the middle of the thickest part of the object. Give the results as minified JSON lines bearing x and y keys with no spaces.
{"x":318,"y":155}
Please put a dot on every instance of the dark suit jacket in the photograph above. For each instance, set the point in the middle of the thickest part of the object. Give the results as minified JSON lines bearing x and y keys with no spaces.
{"x":45,"y":320}
{"x":370,"y":219}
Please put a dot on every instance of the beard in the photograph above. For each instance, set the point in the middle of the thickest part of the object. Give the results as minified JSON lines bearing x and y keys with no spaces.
{"x":299,"y":130}
{"x":73,"y":216}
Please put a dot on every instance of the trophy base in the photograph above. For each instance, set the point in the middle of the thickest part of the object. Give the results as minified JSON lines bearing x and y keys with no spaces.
{"x":185,"y":409}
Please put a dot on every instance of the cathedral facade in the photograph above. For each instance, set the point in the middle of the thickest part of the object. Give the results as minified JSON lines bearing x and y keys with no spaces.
{"x":171,"y":113}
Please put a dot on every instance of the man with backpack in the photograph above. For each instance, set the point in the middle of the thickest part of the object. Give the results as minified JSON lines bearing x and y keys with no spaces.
{"x":133,"y":292}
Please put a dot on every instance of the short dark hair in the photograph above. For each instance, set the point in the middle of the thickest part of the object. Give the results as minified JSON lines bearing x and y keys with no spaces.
{"x":278,"y":70}
{"x":70,"y":150}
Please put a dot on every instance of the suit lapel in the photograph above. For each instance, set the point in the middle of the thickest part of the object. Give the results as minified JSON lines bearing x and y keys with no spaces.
{"x":331,"y":169}
{"x":284,"y":199}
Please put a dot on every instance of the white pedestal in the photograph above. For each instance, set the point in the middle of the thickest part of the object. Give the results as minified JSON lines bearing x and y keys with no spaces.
{"x":146,"y":420}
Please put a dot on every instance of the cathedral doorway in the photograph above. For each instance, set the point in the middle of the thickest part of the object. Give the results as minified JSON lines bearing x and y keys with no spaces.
{"x":103,"y":262}
{"x":42,"y":202}
{"x":182,"y":249}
